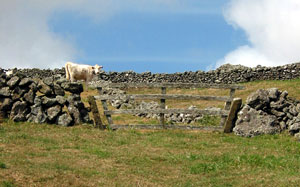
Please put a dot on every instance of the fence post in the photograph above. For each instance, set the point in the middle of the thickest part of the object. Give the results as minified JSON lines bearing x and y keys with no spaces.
{"x":163,"y":106}
{"x":1,"y":114}
{"x":227,"y":107}
{"x":235,"y":106}
{"x":95,"y":111}
{"x":105,"y":108}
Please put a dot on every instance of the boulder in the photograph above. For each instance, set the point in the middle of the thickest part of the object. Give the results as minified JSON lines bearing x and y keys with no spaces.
{"x":75,"y":113}
{"x":19,"y":111}
{"x":48,"y":102}
{"x":295,"y":128}
{"x":44,"y":89}
{"x":252,"y":122}
{"x":25,"y":82}
{"x":2,"y":82}
{"x":6,"y":105}
{"x":37,"y":115}
{"x":5,"y":92}
{"x":53,"y":112}
{"x":18,"y":92}
{"x":258,"y":100}
{"x":61,"y":81}
{"x":58,"y":90}
{"x":13,"y":81}
{"x":37,"y":101}
{"x":29,"y":97}
{"x":49,"y":81}
{"x":61,"y":100}
{"x":33,"y":86}
{"x":64,"y":120}
{"x":73,"y":87}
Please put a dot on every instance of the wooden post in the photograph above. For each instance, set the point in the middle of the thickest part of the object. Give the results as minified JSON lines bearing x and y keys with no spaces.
{"x":163,"y":106}
{"x":227,"y":106}
{"x":105,"y":108}
{"x":1,"y":115}
{"x":95,"y":111}
{"x":235,"y":106}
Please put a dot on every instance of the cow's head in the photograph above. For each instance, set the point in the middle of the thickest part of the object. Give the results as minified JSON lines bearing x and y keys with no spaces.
{"x":97,"y":69}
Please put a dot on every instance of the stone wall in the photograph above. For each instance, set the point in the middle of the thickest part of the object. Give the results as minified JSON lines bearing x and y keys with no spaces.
{"x":41,"y":100}
{"x":225,"y":74}
{"x":268,"y":111}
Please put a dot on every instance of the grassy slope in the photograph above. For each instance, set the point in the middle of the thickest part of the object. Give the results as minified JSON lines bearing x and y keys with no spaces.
{"x":48,"y":155}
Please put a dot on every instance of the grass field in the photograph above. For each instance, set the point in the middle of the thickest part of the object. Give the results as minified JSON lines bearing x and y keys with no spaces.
{"x":49,"y":155}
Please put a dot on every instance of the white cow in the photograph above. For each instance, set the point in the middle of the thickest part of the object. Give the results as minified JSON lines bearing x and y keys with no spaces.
{"x":9,"y":72}
{"x":81,"y":71}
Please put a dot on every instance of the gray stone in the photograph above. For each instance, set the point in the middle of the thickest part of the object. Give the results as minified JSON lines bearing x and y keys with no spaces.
{"x":294,"y":128}
{"x":38,"y":101}
{"x":6,"y":105}
{"x":293,"y":110}
{"x":44,"y":89}
{"x":58,"y":90}
{"x":73,"y":98}
{"x":19,"y":111}
{"x":64,"y":120}
{"x":61,"y":81}
{"x":297,"y":136}
{"x":273,"y":94}
{"x":13,"y":81}
{"x":279,"y":105}
{"x":61,"y":100}
{"x":35,"y":109}
{"x":17,"y":94}
{"x":259,"y":99}
{"x":29,"y":97}
{"x":251,"y":123}
{"x":73,"y":87}
{"x":84,"y":115}
{"x":74,"y":113}
{"x":2,"y":82}
{"x":5,"y":92}
{"x":284,"y":94}
{"x":25,"y":82}
{"x":48,"y":81}
{"x":278,"y":113}
{"x":53,"y":112}
{"x":20,"y":91}
{"x":33,"y":86}
{"x":37,"y":115}
{"x":48,"y":102}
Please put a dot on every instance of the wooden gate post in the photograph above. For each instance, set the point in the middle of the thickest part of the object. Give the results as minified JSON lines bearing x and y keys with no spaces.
{"x":163,"y":106}
{"x":227,"y":107}
{"x":105,"y":108}
{"x":96,"y":114}
{"x":235,"y":106}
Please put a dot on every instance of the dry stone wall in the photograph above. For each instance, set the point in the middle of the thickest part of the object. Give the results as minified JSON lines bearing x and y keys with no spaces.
{"x":224,"y":74}
{"x":227,"y":74}
{"x":268,"y":111}
{"x":41,"y":100}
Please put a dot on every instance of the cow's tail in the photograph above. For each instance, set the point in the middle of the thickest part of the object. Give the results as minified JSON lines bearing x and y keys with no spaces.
{"x":67,"y":68}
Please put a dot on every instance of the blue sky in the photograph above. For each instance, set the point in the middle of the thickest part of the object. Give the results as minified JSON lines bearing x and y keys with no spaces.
{"x":153,"y":41}
{"x":161,"y":36}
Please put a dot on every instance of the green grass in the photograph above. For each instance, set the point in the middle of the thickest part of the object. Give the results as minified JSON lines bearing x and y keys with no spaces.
{"x":46,"y":155}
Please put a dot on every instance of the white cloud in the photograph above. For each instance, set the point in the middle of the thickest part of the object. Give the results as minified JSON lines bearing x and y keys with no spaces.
{"x":26,"y":40}
{"x":272,"y":27}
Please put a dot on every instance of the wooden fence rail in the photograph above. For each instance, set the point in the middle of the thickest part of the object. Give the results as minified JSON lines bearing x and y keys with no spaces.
{"x":227,"y":114}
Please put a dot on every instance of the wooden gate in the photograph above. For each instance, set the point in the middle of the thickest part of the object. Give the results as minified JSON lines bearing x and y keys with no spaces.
{"x":227,"y":114}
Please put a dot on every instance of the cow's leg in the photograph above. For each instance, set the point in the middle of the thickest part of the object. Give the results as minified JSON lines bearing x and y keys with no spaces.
{"x":67,"y":72}
{"x":72,"y":78}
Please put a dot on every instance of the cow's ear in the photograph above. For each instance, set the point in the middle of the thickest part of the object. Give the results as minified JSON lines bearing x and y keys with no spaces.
{"x":93,"y":67}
